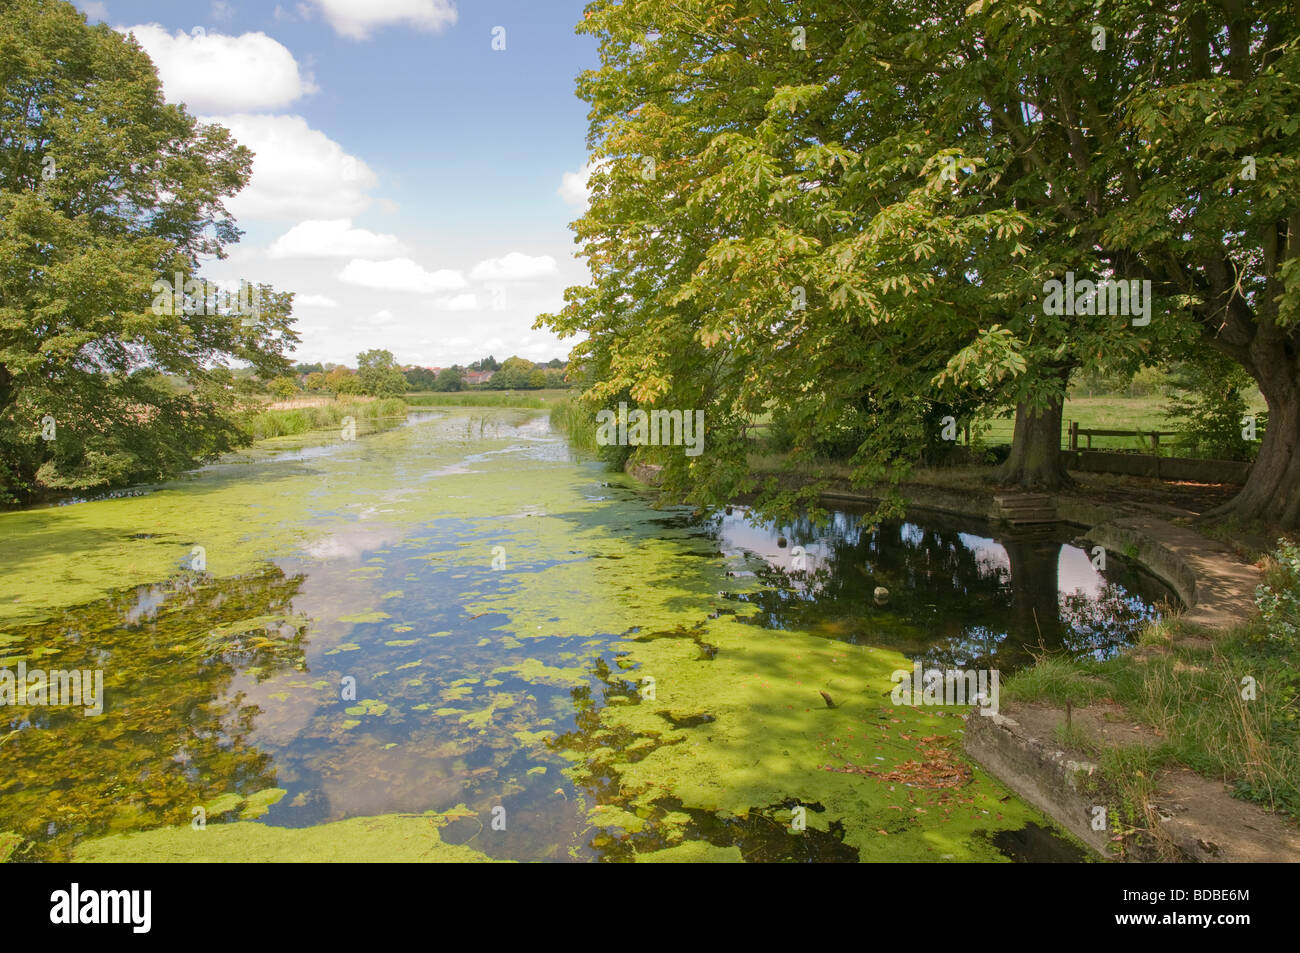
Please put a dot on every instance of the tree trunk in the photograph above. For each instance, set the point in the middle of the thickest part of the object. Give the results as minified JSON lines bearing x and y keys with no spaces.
{"x":1271,"y":494}
{"x":1036,"y":461}
{"x":1035,"y":597}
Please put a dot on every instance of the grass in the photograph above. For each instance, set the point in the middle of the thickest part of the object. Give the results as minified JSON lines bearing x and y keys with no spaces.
{"x":535,"y":399}
{"x":1193,"y":698}
{"x":1111,"y":412}
{"x":568,"y":417}
{"x":287,"y":423}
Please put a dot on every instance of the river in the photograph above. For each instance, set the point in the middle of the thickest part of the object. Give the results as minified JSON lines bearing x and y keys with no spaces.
{"x":456,"y":640}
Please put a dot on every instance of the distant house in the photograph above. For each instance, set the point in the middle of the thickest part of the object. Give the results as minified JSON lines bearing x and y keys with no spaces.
{"x":478,"y":377}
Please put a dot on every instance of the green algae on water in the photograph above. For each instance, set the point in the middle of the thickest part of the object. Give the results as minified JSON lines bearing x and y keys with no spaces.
{"x":383,"y":839}
{"x":678,"y":728}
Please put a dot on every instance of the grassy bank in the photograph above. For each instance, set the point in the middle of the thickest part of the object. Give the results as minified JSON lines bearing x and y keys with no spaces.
{"x":1227,"y":708}
{"x":287,"y":423}
{"x":535,"y":399}
{"x":568,"y":417}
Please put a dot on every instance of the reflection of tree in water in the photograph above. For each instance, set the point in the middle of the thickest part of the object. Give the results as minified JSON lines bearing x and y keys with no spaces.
{"x":954,"y":602}
{"x":169,"y":738}
{"x":1100,"y":625}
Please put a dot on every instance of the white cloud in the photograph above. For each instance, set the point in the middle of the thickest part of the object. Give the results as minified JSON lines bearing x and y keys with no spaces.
{"x":400,"y":274}
{"x":356,"y":19}
{"x":298,"y":173}
{"x":216,"y":73}
{"x":95,"y":10}
{"x":465,"y":302}
{"x":575,"y":187}
{"x":514,"y":267}
{"x":334,"y":238}
{"x":221,"y":10}
{"x":314,"y":301}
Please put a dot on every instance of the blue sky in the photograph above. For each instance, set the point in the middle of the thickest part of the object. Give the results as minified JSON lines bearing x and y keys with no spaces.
{"x":412,"y":184}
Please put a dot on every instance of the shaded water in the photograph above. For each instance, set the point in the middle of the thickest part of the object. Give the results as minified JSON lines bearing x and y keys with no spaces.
{"x":962,"y":593}
{"x":457,"y":624}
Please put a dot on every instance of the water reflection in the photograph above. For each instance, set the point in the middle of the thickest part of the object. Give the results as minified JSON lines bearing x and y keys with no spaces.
{"x":218,"y":690}
{"x":172,"y":735}
{"x":956,"y":597}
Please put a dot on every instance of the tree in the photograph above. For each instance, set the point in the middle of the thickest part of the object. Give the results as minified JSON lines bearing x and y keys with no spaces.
{"x":450,"y":379}
{"x":283,"y":387}
{"x":420,"y":378}
{"x":315,"y":381}
{"x":853,"y":218}
{"x":342,"y":380}
{"x":106,"y":191}
{"x":513,"y":374}
{"x":378,"y":373}
{"x":1160,"y":142}
{"x":1208,"y":404}
{"x":734,"y":266}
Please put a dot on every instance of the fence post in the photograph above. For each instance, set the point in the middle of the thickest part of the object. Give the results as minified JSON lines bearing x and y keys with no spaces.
{"x":1074,"y":435}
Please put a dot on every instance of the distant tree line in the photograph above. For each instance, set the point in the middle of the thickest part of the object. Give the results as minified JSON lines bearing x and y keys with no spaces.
{"x":378,"y":374}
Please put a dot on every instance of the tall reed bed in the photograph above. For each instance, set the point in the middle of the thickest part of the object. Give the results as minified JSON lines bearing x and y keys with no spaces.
{"x":475,"y":399}
{"x":288,"y":423}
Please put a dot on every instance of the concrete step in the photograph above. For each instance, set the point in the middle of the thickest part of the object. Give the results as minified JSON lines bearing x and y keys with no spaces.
{"x":1025,"y":508}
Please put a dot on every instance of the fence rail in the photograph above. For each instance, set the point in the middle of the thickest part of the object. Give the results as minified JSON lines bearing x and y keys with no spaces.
{"x":999,"y":431}
{"x":1074,"y":432}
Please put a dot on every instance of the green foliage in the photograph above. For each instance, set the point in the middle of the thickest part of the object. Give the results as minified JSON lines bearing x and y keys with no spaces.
{"x":283,"y":387}
{"x":517,"y":373}
{"x":1278,"y":598}
{"x":474,"y":399}
{"x":84,"y":237}
{"x":450,"y":379}
{"x":341,"y":381}
{"x":287,"y":423}
{"x":1150,"y":381}
{"x":870,"y":222}
{"x":1199,"y":701}
{"x":378,"y":374}
{"x":1208,"y":404}
{"x":578,"y":422}
{"x":420,"y":378}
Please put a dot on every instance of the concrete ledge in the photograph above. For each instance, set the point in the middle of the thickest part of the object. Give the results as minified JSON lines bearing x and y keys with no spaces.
{"x":1037,"y":771}
{"x":1211,"y":580}
{"x":1217,"y":588}
{"x":1162,"y":468}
